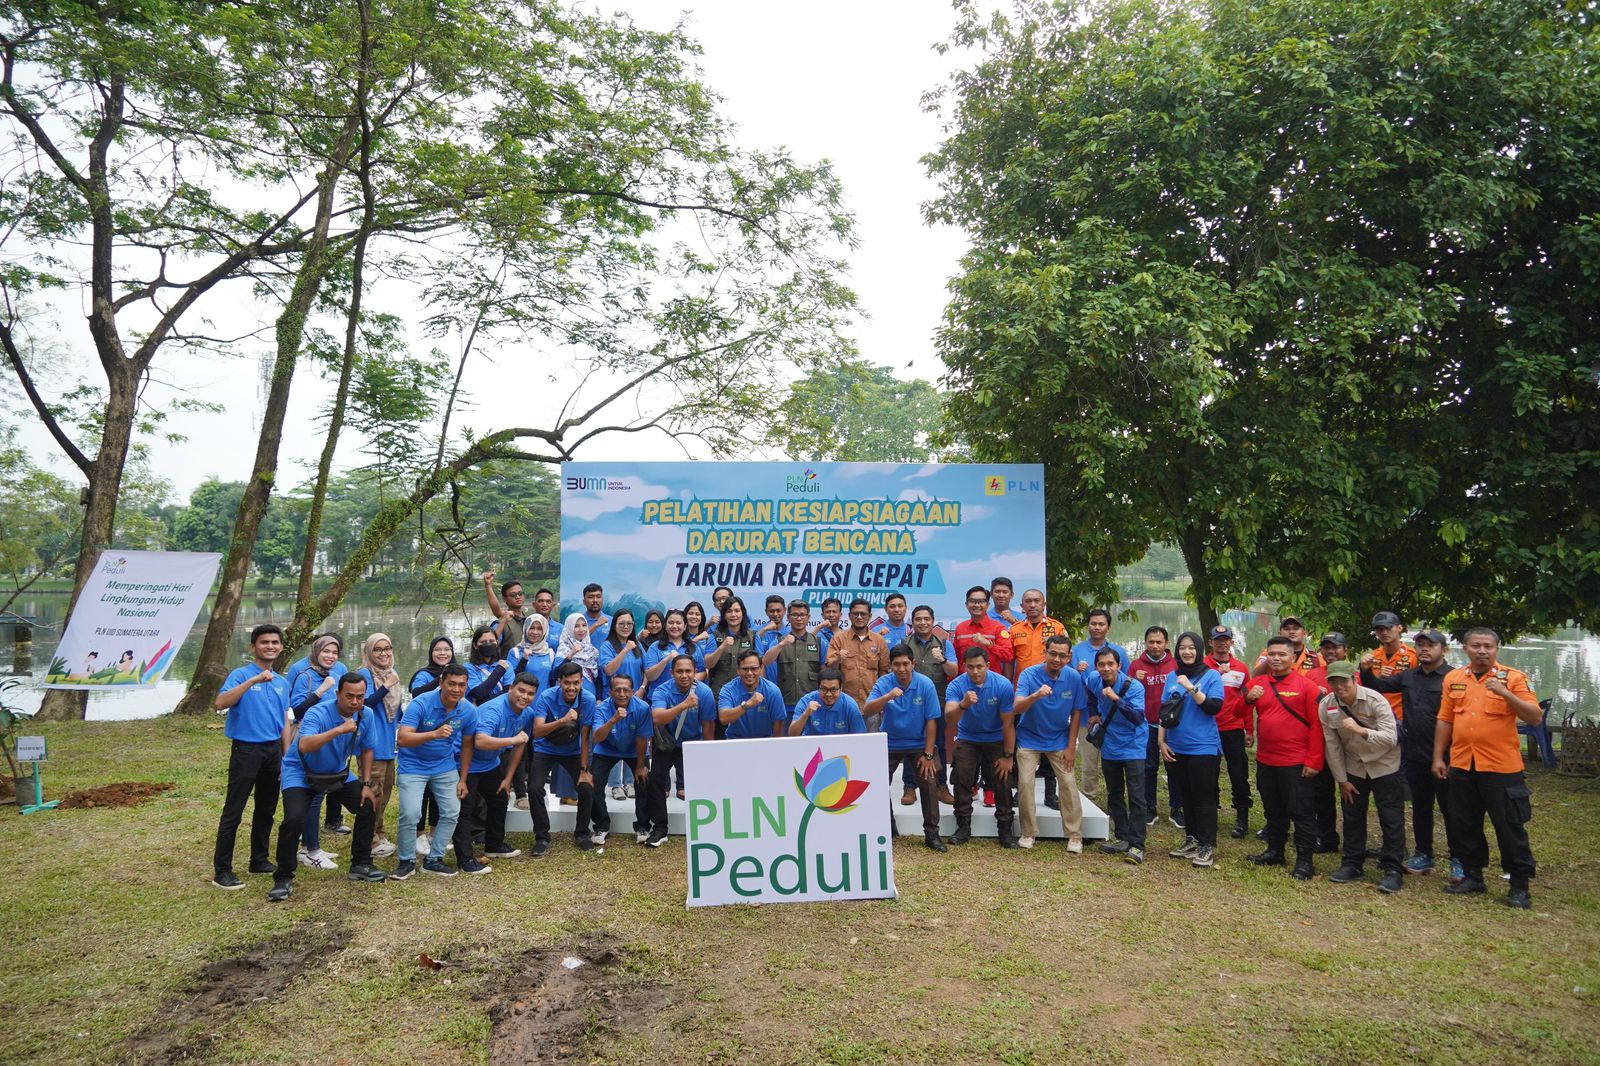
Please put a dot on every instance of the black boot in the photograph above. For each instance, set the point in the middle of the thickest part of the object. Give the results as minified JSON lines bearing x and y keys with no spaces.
{"x":963,"y":832}
{"x":1303,"y":870}
{"x":1241,"y":825}
{"x":1270,"y":857}
{"x":933,"y":842}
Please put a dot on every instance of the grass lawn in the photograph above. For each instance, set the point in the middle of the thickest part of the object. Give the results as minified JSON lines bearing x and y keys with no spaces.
{"x":118,"y":949}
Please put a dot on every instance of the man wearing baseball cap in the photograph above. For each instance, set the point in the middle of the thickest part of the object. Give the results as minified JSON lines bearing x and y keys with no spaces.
{"x":1362,"y":744}
{"x":1305,"y":660}
{"x":1392,"y":656}
{"x":1233,"y":724}
{"x":1419,"y":688}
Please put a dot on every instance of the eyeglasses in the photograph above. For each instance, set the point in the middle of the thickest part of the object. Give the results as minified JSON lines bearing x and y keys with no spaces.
{"x":382,"y":647}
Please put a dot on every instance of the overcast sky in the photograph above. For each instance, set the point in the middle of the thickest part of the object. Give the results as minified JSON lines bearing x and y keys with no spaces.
{"x":828,"y":79}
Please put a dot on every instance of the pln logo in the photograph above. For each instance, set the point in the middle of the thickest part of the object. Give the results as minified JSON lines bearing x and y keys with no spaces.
{"x":802,"y":483}
{"x":119,"y":565}
{"x":996,"y":485}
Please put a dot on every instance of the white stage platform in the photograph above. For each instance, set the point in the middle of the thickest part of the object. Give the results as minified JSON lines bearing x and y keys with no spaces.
{"x":908,"y":819}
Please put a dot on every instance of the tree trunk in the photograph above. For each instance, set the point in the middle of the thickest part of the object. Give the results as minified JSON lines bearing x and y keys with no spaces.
{"x":212,"y":667}
{"x":1192,"y":542}
{"x":100,"y":515}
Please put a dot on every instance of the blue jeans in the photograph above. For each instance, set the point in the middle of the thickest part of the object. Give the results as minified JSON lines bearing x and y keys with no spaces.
{"x":443,"y":789}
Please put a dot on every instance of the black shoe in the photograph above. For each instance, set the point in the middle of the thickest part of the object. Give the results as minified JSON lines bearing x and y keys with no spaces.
{"x":541,"y":848}
{"x":365,"y":871}
{"x":279,"y":891}
{"x":263,"y":867}
{"x":1240,"y":829}
{"x":403,"y":869}
{"x":439,"y":868}
{"x":584,"y":844}
{"x":1345,"y":874}
{"x":655,"y":841}
{"x":1052,"y":802}
{"x":1113,"y":847}
{"x":1392,"y":880}
{"x":933,"y":843}
{"x":227,"y":880}
{"x":1520,"y":899}
{"x":1467,"y":886}
{"x":1303,"y":870}
{"x":1270,"y":857}
{"x":962,"y":834}
{"x":1008,"y":841}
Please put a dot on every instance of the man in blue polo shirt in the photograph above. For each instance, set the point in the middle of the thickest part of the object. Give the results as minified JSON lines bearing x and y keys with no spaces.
{"x":318,"y":763}
{"x":896,"y":630}
{"x":829,"y":711}
{"x":427,"y":763}
{"x":616,"y":732}
{"x":909,"y":704}
{"x":1098,"y":623}
{"x":750,"y":705}
{"x":484,"y":787}
{"x":681,"y":711}
{"x":1049,"y":703}
{"x":1119,"y":701}
{"x":555,"y":722}
{"x":256,"y":701}
{"x":979,"y":702}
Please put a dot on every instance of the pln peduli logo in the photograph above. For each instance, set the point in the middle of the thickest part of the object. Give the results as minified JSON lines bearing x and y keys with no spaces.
{"x":802,"y":483}
{"x":119,"y":565}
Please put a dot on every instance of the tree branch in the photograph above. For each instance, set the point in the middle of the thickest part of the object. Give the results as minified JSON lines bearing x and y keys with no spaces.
{"x":8,"y":339}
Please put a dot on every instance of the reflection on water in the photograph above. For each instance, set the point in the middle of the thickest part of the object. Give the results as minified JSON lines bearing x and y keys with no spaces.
{"x":1564,"y":665}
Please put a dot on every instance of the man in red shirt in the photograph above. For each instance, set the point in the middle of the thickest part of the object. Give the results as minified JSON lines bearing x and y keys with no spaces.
{"x":1289,"y":755}
{"x":1234,"y":724}
{"x":982,"y":630}
{"x":1153,"y":669}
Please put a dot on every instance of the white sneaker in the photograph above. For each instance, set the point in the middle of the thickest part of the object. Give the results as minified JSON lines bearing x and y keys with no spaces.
{"x":617,"y":792}
{"x":522,"y":803}
{"x":627,"y":791}
{"x":424,"y":844}
{"x":600,"y":838}
{"x":382,"y":849}
{"x":1075,"y":845}
{"x":641,"y":838}
{"x":1024,"y":842}
{"x":304,"y":858}
{"x":320,"y":860}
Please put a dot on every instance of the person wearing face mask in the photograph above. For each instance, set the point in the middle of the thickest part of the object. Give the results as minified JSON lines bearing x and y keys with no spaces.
{"x":315,"y":678}
{"x":386,"y":700}
{"x":486,"y":671}
{"x":1193,"y":747}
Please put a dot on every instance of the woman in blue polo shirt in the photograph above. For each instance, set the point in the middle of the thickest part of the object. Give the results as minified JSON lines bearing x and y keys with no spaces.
{"x":1194,"y":747}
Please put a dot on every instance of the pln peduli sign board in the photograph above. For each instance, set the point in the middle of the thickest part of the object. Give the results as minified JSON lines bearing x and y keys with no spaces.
{"x":133,"y":615}
{"x":659,"y":535}
{"x":789,"y":820}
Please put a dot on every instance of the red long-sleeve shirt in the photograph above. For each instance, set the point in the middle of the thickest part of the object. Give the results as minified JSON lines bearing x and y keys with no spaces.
{"x":1287,"y":731}
{"x":1000,"y":652}
{"x":1153,"y":674}
{"x":1235,"y":713}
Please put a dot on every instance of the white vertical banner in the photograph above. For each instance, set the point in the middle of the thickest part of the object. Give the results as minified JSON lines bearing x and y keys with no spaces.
{"x":134,"y":613}
{"x":789,"y":820}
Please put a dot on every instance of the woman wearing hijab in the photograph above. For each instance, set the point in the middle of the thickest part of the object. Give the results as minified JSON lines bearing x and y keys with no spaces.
{"x":441,"y":653}
{"x":576,"y":647}
{"x":386,"y":699}
{"x":534,"y":655}
{"x":314,"y":684}
{"x":1194,"y":747}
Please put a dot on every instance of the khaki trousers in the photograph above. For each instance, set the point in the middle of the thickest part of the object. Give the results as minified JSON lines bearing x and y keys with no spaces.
{"x":1066,"y":786}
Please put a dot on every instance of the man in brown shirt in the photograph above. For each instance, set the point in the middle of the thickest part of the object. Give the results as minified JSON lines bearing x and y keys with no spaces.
{"x":861,"y":656}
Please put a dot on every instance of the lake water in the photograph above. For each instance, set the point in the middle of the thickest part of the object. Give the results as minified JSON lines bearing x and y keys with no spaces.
{"x":1564,"y":665}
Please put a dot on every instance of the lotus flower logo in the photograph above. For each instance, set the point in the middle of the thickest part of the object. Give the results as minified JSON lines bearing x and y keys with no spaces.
{"x":826,"y":784}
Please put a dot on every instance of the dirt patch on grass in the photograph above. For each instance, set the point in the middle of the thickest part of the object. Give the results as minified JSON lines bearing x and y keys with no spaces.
{"x":188,"y":1027}
{"x":550,"y":1010}
{"x":121,"y":794}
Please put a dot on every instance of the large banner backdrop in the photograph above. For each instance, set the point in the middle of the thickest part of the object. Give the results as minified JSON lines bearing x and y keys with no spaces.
{"x":658,"y":535}
{"x":132,"y":618}
{"x":789,"y":820}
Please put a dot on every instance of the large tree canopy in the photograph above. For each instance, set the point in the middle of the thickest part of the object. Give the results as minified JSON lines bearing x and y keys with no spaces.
{"x":1306,"y":287}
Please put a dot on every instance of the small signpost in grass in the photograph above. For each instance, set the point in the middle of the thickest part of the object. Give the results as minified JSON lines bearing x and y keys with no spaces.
{"x":32,"y":749}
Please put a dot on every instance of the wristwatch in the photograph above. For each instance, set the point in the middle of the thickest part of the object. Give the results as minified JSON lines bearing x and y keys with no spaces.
{"x":929,"y":755}
{"x":1008,"y":755}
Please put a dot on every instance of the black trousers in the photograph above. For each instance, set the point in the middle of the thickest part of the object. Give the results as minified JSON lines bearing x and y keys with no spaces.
{"x":1125,"y":798}
{"x":296,"y":801}
{"x":661,"y":764}
{"x":908,"y":776}
{"x":538,"y":774}
{"x":1286,"y":797}
{"x":927,"y":789}
{"x":252,"y":768}
{"x":1197,"y":775}
{"x":973,"y":760}
{"x":1325,"y":805}
{"x":1389,"y":793}
{"x":1508,"y":802}
{"x":1152,"y":767}
{"x":598,"y":814}
{"x":1427,"y":792}
{"x":1235,"y":755}
{"x":483,"y":810}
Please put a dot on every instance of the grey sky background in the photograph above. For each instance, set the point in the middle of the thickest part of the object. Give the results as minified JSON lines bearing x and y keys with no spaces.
{"x":829,"y":79}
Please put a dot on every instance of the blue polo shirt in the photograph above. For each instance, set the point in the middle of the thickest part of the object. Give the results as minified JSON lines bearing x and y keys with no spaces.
{"x":1196,"y":732}
{"x":764,"y":643}
{"x":538,"y":665}
{"x":425,"y":714}
{"x":551,"y":706}
{"x":656,"y":653}
{"x":620,"y":743}
{"x":632,"y":665}
{"x":497,"y":719}
{"x":843,"y":717}
{"x":1127,"y":734}
{"x":980,"y":723}
{"x":384,"y":729}
{"x":906,"y":717}
{"x":333,"y":756}
{"x":478,"y":674}
{"x":259,"y":715}
{"x":757,"y":721}
{"x":893,"y":635}
{"x":306,"y":681}
{"x":1084,"y":652}
{"x":687,"y":725}
{"x":1046,"y":724}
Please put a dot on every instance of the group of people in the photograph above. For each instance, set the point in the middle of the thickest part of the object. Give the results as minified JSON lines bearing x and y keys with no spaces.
{"x":610,"y":700}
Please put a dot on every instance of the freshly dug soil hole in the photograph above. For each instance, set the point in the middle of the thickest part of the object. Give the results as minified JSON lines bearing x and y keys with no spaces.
{"x":121,"y":794}
{"x":549,"y":1011}
{"x":187,"y":1028}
